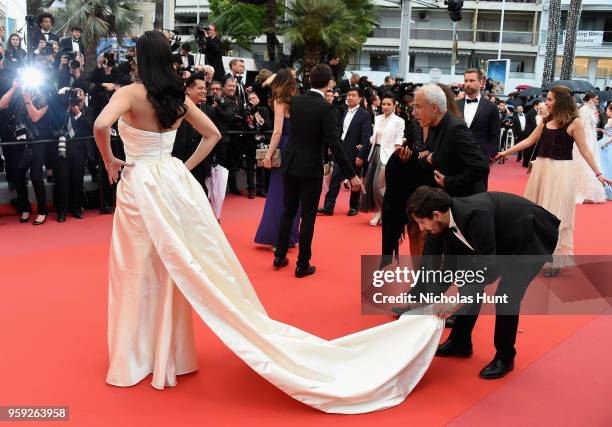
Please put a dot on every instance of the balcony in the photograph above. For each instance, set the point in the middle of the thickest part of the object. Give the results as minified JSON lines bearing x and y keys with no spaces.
{"x":605,"y":44}
{"x":518,"y":37}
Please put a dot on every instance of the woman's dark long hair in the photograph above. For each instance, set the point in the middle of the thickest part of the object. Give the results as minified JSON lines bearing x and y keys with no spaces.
{"x":284,"y":87}
{"x":451,"y":104}
{"x":164,"y":87}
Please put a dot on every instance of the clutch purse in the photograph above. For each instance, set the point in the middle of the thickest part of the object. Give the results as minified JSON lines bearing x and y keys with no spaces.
{"x":260,"y":155}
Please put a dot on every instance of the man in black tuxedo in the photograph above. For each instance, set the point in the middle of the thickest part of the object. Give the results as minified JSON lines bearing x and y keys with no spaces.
{"x":43,"y":32}
{"x":481,"y":115}
{"x":237,"y":73}
{"x":519,"y":128}
{"x":214,"y":52}
{"x":187,"y":58}
{"x":530,"y":125}
{"x":314,"y":130}
{"x":511,"y":237}
{"x":356,"y":129}
{"x":74,"y":42}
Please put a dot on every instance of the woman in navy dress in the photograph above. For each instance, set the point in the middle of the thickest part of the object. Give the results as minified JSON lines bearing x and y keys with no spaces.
{"x":283,"y":88}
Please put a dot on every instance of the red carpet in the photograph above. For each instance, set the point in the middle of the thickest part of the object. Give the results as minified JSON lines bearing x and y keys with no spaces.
{"x":53,"y":311}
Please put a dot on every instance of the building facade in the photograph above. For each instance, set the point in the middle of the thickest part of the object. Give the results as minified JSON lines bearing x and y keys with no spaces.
{"x":523,"y":39}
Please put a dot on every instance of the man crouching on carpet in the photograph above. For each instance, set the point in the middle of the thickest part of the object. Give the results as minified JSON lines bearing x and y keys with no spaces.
{"x":476,"y":230}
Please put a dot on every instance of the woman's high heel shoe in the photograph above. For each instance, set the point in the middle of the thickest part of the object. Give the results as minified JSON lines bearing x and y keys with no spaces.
{"x":37,"y":222}
{"x":25,"y":217}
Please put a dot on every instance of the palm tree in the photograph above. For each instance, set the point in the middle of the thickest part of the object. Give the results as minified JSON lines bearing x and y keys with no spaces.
{"x":99,"y":19}
{"x":271,"y":39}
{"x":321,"y":26}
{"x":554,"y":18}
{"x":571,"y":30}
{"x":36,"y":7}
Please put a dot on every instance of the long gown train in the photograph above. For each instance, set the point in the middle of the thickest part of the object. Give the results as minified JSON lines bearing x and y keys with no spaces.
{"x":169,"y":254}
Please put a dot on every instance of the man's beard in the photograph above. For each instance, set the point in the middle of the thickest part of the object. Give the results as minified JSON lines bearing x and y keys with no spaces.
{"x":470,"y":91}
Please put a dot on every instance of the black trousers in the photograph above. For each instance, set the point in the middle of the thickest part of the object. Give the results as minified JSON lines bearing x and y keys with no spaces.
{"x":257,"y":177}
{"x":109,"y":192}
{"x":69,"y":174}
{"x":515,"y":279}
{"x":303,"y":193}
{"x":36,"y":175}
{"x":334,"y":189}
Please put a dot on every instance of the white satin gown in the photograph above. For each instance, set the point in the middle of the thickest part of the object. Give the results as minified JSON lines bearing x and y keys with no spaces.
{"x":168,"y":255}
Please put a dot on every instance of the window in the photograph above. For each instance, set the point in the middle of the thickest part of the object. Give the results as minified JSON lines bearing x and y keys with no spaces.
{"x":379,"y":62}
{"x":581,"y":66}
{"x":604,"y":68}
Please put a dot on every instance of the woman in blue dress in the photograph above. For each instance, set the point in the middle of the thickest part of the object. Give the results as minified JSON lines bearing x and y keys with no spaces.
{"x":606,"y":149}
{"x":283,"y":88}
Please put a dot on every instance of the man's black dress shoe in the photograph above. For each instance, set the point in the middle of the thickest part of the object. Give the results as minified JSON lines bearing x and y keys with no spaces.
{"x":107,"y":210}
{"x":352,"y":212}
{"x":280,"y":262}
{"x":77,"y":214}
{"x":251,"y":195}
{"x":450,"y":321}
{"x":325,"y":211}
{"x":496,"y":369}
{"x":447,"y":349}
{"x":61,"y":217}
{"x":305,"y":271}
{"x":261,"y":194}
{"x":235,"y":191}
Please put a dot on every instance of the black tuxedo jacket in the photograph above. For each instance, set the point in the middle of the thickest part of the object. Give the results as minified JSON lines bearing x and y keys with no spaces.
{"x":486,"y":125}
{"x":66,"y":45}
{"x":314,"y":130}
{"x":84,"y":125}
{"x":214,"y":57}
{"x":37,"y":36}
{"x":358,"y":133}
{"x":501,"y":224}
{"x":457,"y":156}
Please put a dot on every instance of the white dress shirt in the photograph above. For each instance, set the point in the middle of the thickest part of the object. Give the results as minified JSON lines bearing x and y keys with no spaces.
{"x":75,"y":46}
{"x":469,"y":110}
{"x":347,"y":120}
{"x":453,"y":226}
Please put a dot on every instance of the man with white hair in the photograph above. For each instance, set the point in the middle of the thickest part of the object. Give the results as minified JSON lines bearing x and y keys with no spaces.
{"x":458,"y":165}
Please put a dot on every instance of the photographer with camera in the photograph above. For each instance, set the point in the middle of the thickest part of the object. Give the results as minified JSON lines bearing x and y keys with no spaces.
{"x":237,"y":73}
{"x":9,"y":152}
{"x":187,"y":137}
{"x":212,"y":49}
{"x":74,"y":42}
{"x":232,"y":114}
{"x":42,"y":33}
{"x":102,"y":77}
{"x":29,"y":122}
{"x":257,"y":118}
{"x":70,"y":170}
{"x":71,"y":73}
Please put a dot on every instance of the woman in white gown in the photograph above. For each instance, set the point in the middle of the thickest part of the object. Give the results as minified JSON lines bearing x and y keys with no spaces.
{"x":169,"y":254}
{"x":588,"y":188}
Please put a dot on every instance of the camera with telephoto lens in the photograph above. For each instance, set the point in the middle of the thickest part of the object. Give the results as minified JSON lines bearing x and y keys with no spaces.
{"x":251,"y":109}
{"x":212,"y":99}
{"x":70,"y":56}
{"x":61,"y":146}
{"x":73,"y":98}
{"x":109,"y":59}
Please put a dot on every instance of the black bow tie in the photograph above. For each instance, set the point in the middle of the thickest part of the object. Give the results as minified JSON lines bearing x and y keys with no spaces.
{"x":469,"y":101}
{"x":238,"y":78}
{"x":75,"y":41}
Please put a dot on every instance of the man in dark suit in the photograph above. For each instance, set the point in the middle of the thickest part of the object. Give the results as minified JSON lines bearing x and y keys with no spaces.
{"x":214,"y":52}
{"x":74,"y":42}
{"x":481,"y":115}
{"x":238,"y":74}
{"x":187,"y":138}
{"x":70,"y":169}
{"x":314,"y":130}
{"x":511,"y":237}
{"x":43,"y":32}
{"x":456,"y":162}
{"x":356,"y":129}
{"x":519,"y":128}
{"x":187,"y":58}
{"x":530,"y":125}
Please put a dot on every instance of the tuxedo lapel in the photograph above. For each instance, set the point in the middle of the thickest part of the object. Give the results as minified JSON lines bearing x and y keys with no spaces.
{"x":479,"y":110}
